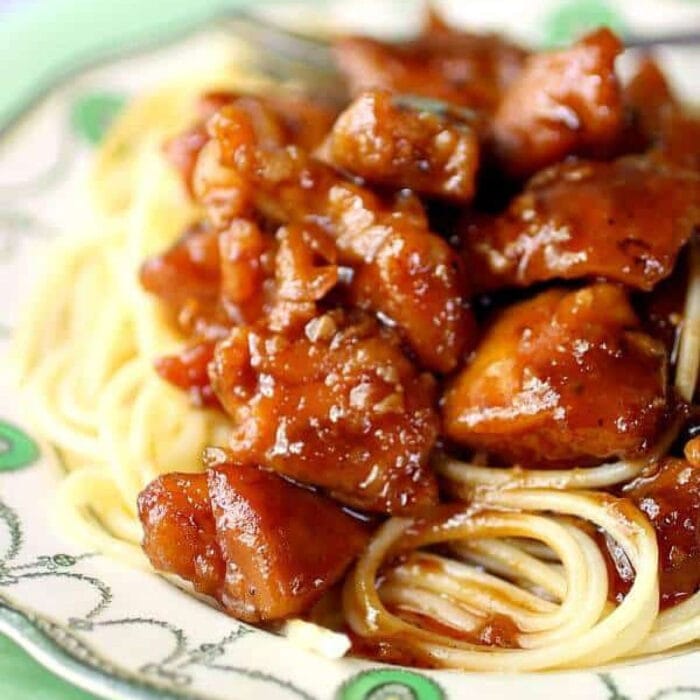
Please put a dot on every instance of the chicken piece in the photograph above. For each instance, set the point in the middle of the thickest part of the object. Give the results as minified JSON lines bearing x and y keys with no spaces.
{"x":412,"y":281}
{"x":465,"y":69}
{"x":246,"y":260}
{"x":211,"y":279}
{"x":338,"y":406}
{"x":657,"y":120}
{"x":624,"y":220}
{"x":563,"y":102}
{"x":670,"y":497}
{"x":305,"y":272}
{"x":244,"y":290}
{"x":396,"y":145}
{"x":187,"y":278}
{"x":423,"y":290}
{"x":661,"y":310}
{"x":648,"y":100}
{"x":182,"y":150}
{"x":563,"y":379}
{"x":280,"y":118}
{"x":188,"y":370}
{"x":242,"y":535}
{"x":679,"y":143}
{"x":180,"y":532}
{"x":412,"y":277}
{"x":284,"y":546}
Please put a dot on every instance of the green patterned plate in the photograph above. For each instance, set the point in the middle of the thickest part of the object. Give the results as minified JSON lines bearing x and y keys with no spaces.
{"x":67,"y":70}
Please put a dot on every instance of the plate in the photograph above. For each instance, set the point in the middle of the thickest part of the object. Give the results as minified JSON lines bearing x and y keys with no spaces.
{"x":124,"y":633}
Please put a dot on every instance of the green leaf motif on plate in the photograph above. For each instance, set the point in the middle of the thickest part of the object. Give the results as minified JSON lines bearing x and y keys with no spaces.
{"x":92,"y":114}
{"x":569,"y":20}
{"x":390,"y":684}
{"x":17,"y":449}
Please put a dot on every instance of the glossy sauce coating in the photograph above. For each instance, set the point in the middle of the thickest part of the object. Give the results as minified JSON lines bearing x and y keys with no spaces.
{"x":562,"y":102}
{"x":186,"y":278}
{"x":669,"y":495}
{"x":656,"y":119}
{"x":495,"y":631}
{"x":180,"y":532}
{"x":623,"y":220}
{"x":242,"y":535}
{"x":338,"y":406}
{"x":400,"y":146}
{"x":661,"y":310}
{"x":566,"y":378}
{"x":648,"y":100}
{"x":296,"y":120}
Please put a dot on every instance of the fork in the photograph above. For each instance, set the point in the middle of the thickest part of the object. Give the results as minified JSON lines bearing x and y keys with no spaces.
{"x":288,"y":56}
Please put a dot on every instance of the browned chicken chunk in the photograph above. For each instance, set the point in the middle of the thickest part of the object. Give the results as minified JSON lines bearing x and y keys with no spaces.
{"x":669,"y":496}
{"x":566,"y":378}
{"x":338,"y":406}
{"x":186,"y":277}
{"x":179,"y":532}
{"x":648,"y":100}
{"x":563,"y":102}
{"x":657,"y":120}
{"x":395,"y":145}
{"x":624,"y":220}
{"x":242,"y":535}
{"x":281,"y":118}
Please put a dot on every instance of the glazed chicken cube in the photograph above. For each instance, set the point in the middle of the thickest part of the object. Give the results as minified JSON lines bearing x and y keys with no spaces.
{"x":242,"y":535}
{"x":338,"y":406}
{"x":564,"y":379}
{"x":563,"y":102}
{"x":295,"y":119}
{"x":624,"y":220}
{"x":397,"y":145}
{"x":180,"y":532}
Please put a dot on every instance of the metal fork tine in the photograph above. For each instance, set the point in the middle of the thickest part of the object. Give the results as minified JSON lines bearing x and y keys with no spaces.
{"x":282,"y":42}
{"x":324,"y":84}
{"x":289,"y":57}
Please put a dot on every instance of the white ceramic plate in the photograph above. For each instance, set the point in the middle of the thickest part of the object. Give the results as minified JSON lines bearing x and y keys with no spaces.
{"x":127,"y":634}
